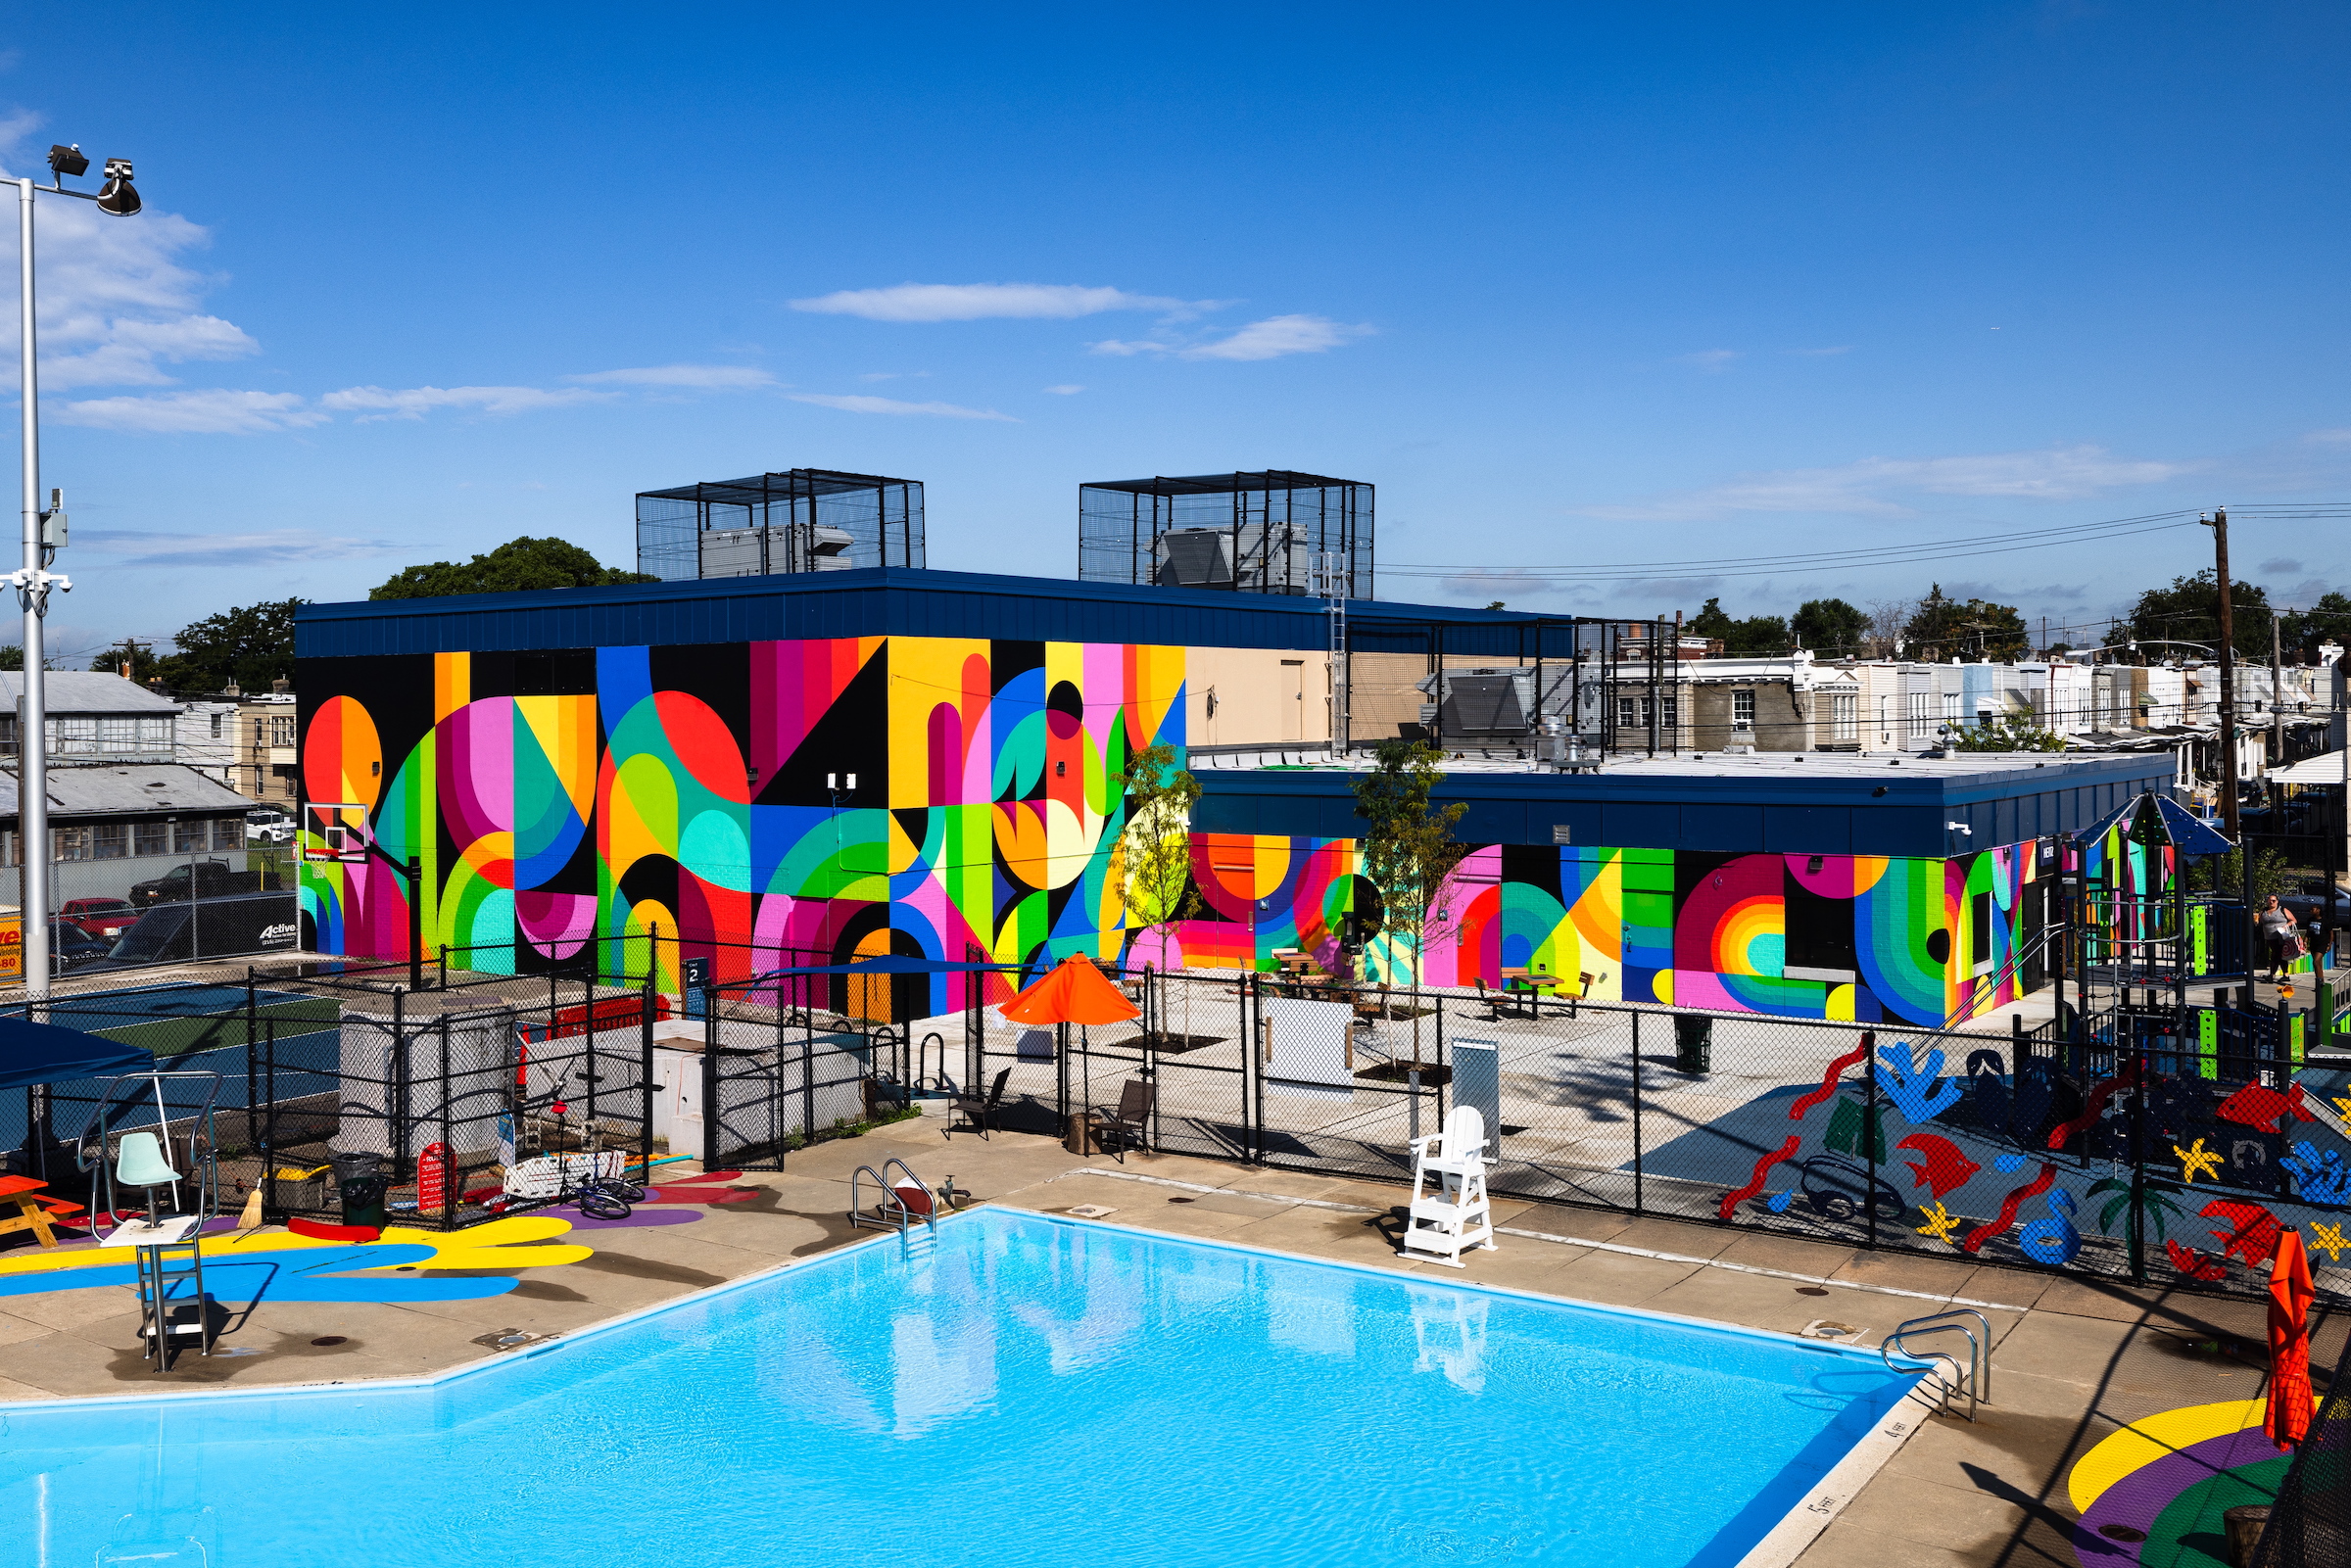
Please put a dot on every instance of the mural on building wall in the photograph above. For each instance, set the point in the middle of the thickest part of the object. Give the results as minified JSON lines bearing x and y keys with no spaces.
{"x":764,"y":804}
{"x":775,"y":803}
{"x":1859,"y":937}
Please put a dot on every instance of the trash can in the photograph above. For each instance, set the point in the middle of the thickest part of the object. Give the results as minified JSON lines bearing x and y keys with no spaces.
{"x":360,"y":1183}
{"x":1692,"y":1043}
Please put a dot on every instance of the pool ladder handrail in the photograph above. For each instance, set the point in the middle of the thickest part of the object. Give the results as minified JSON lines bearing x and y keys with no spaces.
{"x":1974,"y":1378}
{"x":893,"y":1214}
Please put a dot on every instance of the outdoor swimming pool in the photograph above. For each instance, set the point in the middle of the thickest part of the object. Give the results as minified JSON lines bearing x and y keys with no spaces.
{"x":1011,"y":1389}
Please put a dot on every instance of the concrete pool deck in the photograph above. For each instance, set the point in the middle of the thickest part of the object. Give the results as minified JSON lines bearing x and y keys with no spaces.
{"x":2073,"y":1359}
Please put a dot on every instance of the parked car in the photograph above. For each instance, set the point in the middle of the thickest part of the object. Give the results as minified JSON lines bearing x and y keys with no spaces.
{"x":174,"y":932}
{"x":103,"y":918}
{"x":269,"y":825}
{"x":71,"y":947}
{"x":2311,"y":906}
{"x":211,"y":878}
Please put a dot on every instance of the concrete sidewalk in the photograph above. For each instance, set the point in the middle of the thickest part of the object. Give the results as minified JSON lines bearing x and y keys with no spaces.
{"x":2072,"y":1361}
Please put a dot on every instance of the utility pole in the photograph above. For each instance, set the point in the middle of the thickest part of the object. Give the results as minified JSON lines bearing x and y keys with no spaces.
{"x":2218,"y":522}
{"x":2277,"y":694}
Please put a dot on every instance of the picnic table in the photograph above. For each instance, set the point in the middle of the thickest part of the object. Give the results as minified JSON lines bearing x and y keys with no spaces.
{"x":34,"y":1213}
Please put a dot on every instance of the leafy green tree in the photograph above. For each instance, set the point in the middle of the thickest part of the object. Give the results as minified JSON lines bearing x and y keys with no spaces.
{"x":1831,"y":627}
{"x":2327,"y":621}
{"x":2225,"y":872}
{"x":251,"y":646}
{"x":1408,"y":847}
{"x":519,"y":565}
{"x":1153,"y":860}
{"x":2189,"y":611}
{"x":138,"y":655}
{"x":1943,"y":627}
{"x":1756,"y":634}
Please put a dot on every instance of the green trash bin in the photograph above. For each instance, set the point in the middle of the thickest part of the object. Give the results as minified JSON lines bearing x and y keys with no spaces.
{"x":1693,"y":1042}
{"x":361,"y":1184}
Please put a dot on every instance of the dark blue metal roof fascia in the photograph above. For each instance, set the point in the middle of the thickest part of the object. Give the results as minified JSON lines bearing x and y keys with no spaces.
{"x":1835,"y":814}
{"x":888,"y":602}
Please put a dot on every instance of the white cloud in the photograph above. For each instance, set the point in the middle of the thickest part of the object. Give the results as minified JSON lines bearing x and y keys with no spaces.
{"x":275,"y":547}
{"x":1711,"y":360}
{"x":215,"y":413}
{"x":1866,"y":487}
{"x":414,"y":403}
{"x":1068,"y":389}
{"x":116,"y":298}
{"x":1269,"y":339}
{"x":973,"y":301}
{"x":859,"y":404}
{"x":705,"y":377}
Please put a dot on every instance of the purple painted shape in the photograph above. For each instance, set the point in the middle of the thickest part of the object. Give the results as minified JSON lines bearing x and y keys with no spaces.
{"x":636,"y":1220}
{"x":2137,"y":1498}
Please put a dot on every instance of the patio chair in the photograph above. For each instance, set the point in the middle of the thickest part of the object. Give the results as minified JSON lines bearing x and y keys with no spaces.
{"x":1500,"y":1004}
{"x":1130,"y":1120}
{"x":976,"y":1110}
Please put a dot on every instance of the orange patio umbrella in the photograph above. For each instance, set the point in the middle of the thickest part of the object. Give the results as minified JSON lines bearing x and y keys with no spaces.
{"x":1072,"y":991}
{"x":2288,"y":1417}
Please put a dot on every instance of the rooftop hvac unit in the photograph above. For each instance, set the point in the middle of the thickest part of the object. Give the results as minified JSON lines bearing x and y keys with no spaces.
{"x":761,"y":551}
{"x":1274,"y":559}
{"x":1493,"y":704}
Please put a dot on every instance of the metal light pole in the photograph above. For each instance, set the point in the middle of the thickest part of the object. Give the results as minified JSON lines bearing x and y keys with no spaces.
{"x":45,"y":531}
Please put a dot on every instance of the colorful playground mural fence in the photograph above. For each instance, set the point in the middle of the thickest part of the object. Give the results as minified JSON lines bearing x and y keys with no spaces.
{"x":932,"y":797}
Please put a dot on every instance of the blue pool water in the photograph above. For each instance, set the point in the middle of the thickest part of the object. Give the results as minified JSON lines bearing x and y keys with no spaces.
{"x":1012,"y":1390}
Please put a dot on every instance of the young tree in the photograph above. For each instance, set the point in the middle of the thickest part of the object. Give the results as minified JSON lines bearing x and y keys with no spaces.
{"x":2011,"y":732}
{"x":1887,"y":618}
{"x":1831,"y":627}
{"x":1153,"y":860}
{"x":251,"y":646}
{"x":517,"y":566}
{"x":1408,"y":847}
{"x":1941,"y":627}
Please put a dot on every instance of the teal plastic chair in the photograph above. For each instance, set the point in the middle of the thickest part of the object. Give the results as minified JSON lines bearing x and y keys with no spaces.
{"x":139,"y":1162}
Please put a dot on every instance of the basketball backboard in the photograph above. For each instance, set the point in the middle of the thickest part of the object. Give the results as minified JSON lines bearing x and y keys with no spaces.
{"x":335,"y":830}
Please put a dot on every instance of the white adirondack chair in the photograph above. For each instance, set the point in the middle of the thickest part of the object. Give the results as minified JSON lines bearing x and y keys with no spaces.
{"x":1453,"y":1216}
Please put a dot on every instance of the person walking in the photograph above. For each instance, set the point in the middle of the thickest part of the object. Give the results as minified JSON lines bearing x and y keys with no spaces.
{"x":2276,"y":928}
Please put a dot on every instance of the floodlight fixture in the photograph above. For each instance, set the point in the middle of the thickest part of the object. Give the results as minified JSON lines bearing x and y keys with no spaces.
{"x":65,"y":161}
{"x":117,"y":198}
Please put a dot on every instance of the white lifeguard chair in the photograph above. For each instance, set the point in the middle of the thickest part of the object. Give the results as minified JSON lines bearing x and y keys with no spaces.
{"x":1454,"y":1217}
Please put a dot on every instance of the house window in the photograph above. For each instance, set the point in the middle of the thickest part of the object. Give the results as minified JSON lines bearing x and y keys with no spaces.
{"x":187,"y":837}
{"x":155,"y":734}
{"x":110,"y":841}
{"x":1845,"y":716}
{"x":70,"y":843}
{"x":1635,"y":713}
{"x":281,"y":732}
{"x":8,"y":847}
{"x":73,"y":736}
{"x":151,"y":838}
{"x":1921,"y":718}
{"x":215,"y":727}
{"x":118,"y":734}
{"x":228,"y":832}
{"x":1628,"y":713}
{"x":1951,"y":706}
{"x":1743,"y":707}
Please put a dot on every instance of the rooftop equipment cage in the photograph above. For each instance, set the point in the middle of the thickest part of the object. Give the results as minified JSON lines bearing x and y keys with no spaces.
{"x":1254,"y":533}
{"x":807,"y":520}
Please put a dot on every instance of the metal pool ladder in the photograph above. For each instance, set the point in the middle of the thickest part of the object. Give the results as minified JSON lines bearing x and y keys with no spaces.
{"x":892,"y":1212}
{"x":1974,"y":1379}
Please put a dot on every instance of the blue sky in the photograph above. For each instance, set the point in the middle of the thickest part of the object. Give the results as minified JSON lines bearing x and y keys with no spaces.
{"x":1570,"y":284}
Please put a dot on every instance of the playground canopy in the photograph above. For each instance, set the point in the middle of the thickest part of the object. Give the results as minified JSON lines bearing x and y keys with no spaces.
{"x":2162,"y":815}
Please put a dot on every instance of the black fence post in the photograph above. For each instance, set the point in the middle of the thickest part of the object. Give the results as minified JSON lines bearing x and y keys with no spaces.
{"x":270,"y":1203}
{"x":644,"y":1083}
{"x":1253,"y":1081}
{"x":1638,"y":1194}
{"x":252,"y":1071}
{"x":2138,"y":1147}
{"x":710,"y":1083}
{"x":451,"y":1179}
{"x":395,"y":1084}
{"x":1870,"y":1136}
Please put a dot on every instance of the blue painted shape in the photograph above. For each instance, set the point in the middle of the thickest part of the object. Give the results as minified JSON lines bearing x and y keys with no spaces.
{"x":2318,"y":1179}
{"x":1919,"y":1092}
{"x":2053,"y":1240}
{"x":1778,"y":1202}
{"x":2009,"y":1162}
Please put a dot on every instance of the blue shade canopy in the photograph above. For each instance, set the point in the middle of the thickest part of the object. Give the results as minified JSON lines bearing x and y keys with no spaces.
{"x":2181,"y":828}
{"x":43,"y":1053}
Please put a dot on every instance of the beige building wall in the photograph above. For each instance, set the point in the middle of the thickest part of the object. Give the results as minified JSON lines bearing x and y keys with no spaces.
{"x":1385,"y":690}
{"x":1256,"y":697}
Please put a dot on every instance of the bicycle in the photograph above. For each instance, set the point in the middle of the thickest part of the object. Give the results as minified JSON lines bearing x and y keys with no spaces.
{"x":598,"y":1197}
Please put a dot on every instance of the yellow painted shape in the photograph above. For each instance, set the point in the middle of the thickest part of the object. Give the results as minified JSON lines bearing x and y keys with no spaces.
{"x":1838,"y":1005}
{"x":2143,"y":1442}
{"x":506,"y":1242}
{"x":453,"y":684}
{"x":566,"y":732}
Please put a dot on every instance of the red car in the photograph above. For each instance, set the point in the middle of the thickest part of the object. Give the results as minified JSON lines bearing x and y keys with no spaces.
{"x":103,"y":918}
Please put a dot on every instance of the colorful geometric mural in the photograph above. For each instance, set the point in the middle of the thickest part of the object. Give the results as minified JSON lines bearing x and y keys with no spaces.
{"x":1857,"y":938}
{"x":759,"y":804}
{"x":770,"y":803}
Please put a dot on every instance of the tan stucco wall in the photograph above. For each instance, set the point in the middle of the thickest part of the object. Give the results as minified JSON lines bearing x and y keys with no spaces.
{"x":1263,"y":696}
